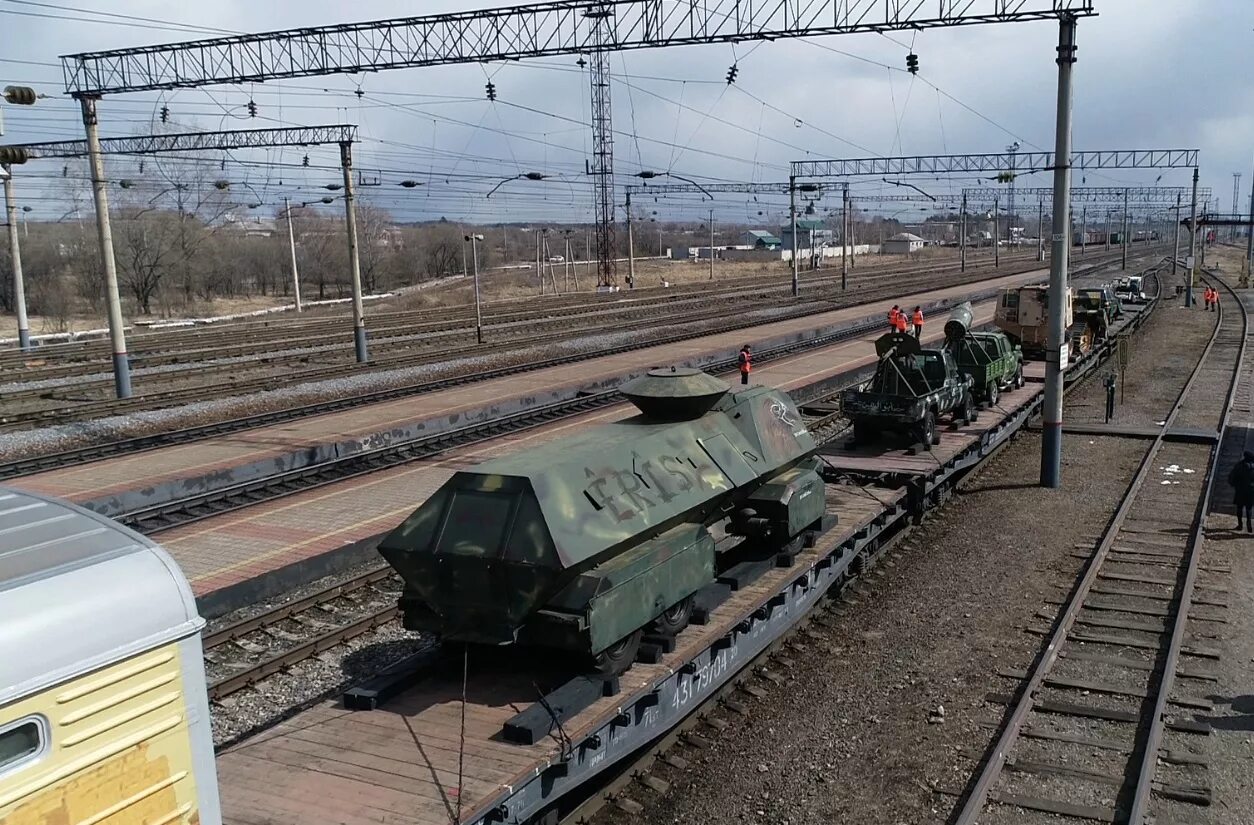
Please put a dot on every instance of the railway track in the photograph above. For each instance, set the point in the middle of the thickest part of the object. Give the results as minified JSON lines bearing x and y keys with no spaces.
{"x":81,"y":391}
{"x":100,"y":450}
{"x":1128,"y":646}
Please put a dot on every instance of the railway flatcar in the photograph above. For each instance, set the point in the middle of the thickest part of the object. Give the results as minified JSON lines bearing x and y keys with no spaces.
{"x":104,"y":717}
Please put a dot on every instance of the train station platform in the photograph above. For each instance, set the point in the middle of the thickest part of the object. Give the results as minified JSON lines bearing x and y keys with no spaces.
{"x":246,"y":555}
{"x":124,"y":484}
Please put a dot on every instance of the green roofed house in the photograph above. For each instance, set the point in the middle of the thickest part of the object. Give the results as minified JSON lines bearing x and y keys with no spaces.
{"x":760,"y":239}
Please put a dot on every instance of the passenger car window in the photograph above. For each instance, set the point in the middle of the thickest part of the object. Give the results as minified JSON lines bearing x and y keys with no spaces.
{"x":20,"y":742}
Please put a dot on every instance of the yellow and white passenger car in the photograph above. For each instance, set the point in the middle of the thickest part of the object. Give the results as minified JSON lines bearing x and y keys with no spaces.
{"x":104,"y":718}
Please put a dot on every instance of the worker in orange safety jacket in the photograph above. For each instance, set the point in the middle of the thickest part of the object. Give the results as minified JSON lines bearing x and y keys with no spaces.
{"x":745,"y":360}
{"x":918,"y":322}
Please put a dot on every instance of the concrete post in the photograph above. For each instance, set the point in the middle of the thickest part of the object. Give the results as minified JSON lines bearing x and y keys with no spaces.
{"x":996,"y":235}
{"x":291,"y":242}
{"x":117,"y":334}
{"x":1040,"y":229}
{"x":354,"y":260}
{"x":792,"y":219}
{"x":1188,"y":276}
{"x":846,"y":248}
{"x":631,"y":249}
{"x":1084,"y":230}
{"x":1175,"y":247}
{"x":1056,"y":346}
{"x":711,"y":244}
{"x":962,"y":235}
{"x":15,"y":254}
{"x":1249,"y":235}
{"x":1123,"y":264}
{"x":474,"y":254}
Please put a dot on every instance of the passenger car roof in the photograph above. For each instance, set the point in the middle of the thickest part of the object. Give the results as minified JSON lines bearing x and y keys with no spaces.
{"x":77,"y":591}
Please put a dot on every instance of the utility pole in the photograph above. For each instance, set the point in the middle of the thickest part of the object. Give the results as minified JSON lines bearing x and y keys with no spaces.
{"x":1040,"y":229}
{"x":1084,"y":229}
{"x":1056,"y":346}
{"x":711,"y":243}
{"x":1191,"y":261}
{"x":291,"y":242}
{"x":631,"y":248}
{"x":792,"y":219}
{"x":962,"y":234}
{"x":1124,"y":246}
{"x":1249,"y":235}
{"x":996,"y":236}
{"x":1108,"y":230}
{"x":1236,"y":204}
{"x":846,"y":249}
{"x":1175,"y":247}
{"x":15,"y":254}
{"x":117,"y":335}
{"x":354,"y":261}
{"x":539,"y":272}
{"x":474,"y":253}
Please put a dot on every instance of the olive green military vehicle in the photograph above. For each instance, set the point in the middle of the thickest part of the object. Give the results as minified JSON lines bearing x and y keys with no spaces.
{"x":584,"y":543}
{"x":910,"y":391}
{"x":1094,"y":310}
{"x":991,"y":360}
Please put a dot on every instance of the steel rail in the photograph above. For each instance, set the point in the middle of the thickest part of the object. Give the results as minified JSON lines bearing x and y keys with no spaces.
{"x":973,"y":808}
{"x":94,"y":452}
{"x":1158,"y":721}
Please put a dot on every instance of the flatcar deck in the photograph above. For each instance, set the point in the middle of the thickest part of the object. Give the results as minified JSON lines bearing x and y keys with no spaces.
{"x":122,"y":484}
{"x":230,"y":558}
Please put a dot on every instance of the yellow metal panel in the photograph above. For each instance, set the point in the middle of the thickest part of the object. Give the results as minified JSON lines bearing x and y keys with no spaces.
{"x":120,"y":750}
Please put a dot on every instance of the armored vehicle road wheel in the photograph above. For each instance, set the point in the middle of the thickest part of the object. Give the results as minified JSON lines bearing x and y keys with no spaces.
{"x":672,"y":621}
{"x":993,"y":395}
{"x":925,"y":431}
{"x":618,"y":657}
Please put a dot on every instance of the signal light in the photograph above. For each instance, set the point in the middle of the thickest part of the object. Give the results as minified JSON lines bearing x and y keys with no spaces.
{"x":912,"y":63}
{"x":490,"y":88}
{"x":731,"y":74}
{"x":20,"y":95}
{"x":12,"y":155}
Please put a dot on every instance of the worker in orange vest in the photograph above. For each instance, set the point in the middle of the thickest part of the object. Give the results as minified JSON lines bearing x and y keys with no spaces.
{"x":918,"y":322}
{"x":892,"y":318}
{"x":745,"y":360}
{"x":902,"y":323}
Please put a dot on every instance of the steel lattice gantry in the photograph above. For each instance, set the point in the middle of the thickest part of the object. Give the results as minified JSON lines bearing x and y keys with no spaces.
{"x":536,"y":30}
{"x":196,"y":141}
{"x":1018,"y":163}
{"x":1156,"y":195}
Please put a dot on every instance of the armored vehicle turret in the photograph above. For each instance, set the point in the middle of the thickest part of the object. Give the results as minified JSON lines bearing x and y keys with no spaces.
{"x":582,"y":543}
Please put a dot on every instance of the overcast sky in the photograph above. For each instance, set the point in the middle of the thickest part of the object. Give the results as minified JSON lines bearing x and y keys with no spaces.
{"x":1151,"y":74}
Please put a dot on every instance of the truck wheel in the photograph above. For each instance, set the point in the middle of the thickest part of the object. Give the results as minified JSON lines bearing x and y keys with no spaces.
{"x":618,"y":657}
{"x":674,"y":620}
{"x":863,"y":433}
{"x":993,"y":395}
{"x":926,"y":431}
{"x":1019,"y":380}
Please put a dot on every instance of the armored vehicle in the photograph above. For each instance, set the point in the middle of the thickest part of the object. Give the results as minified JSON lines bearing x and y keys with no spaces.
{"x":1094,"y":309}
{"x":911,"y":389}
{"x":991,"y":360}
{"x":1023,"y":314}
{"x":583,"y":543}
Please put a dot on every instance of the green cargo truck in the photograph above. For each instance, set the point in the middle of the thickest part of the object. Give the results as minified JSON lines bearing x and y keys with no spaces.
{"x":990,"y":359}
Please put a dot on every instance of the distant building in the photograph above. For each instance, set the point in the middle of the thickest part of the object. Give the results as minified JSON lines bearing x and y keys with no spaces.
{"x":249,"y":226}
{"x":903,"y":243}
{"x":760,"y":239}
{"x":810,"y":233}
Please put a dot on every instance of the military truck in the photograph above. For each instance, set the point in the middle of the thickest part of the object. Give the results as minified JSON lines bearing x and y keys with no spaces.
{"x":583,"y":543}
{"x":1093,"y":310}
{"x":991,"y":360}
{"x":1023,"y":314}
{"x":910,"y":391}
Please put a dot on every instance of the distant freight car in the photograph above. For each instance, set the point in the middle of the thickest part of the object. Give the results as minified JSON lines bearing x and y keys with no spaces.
{"x":581,"y":544}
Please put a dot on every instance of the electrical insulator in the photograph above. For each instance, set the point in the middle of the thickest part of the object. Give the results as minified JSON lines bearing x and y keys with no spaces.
{"x":141,"y":167}
{"x":731,"y":73}
{"x":12,"y":154}
{"x":1005,"y":177}
{"x":305,"y":161}
{"x":20,"y":95}
{"x":65,"y":171}
{"x":410,"y":184}
{"x":252,"y":108}
{"x":165,"y":114}
{"x":491,"y":90}
{"x":912,"y":63}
